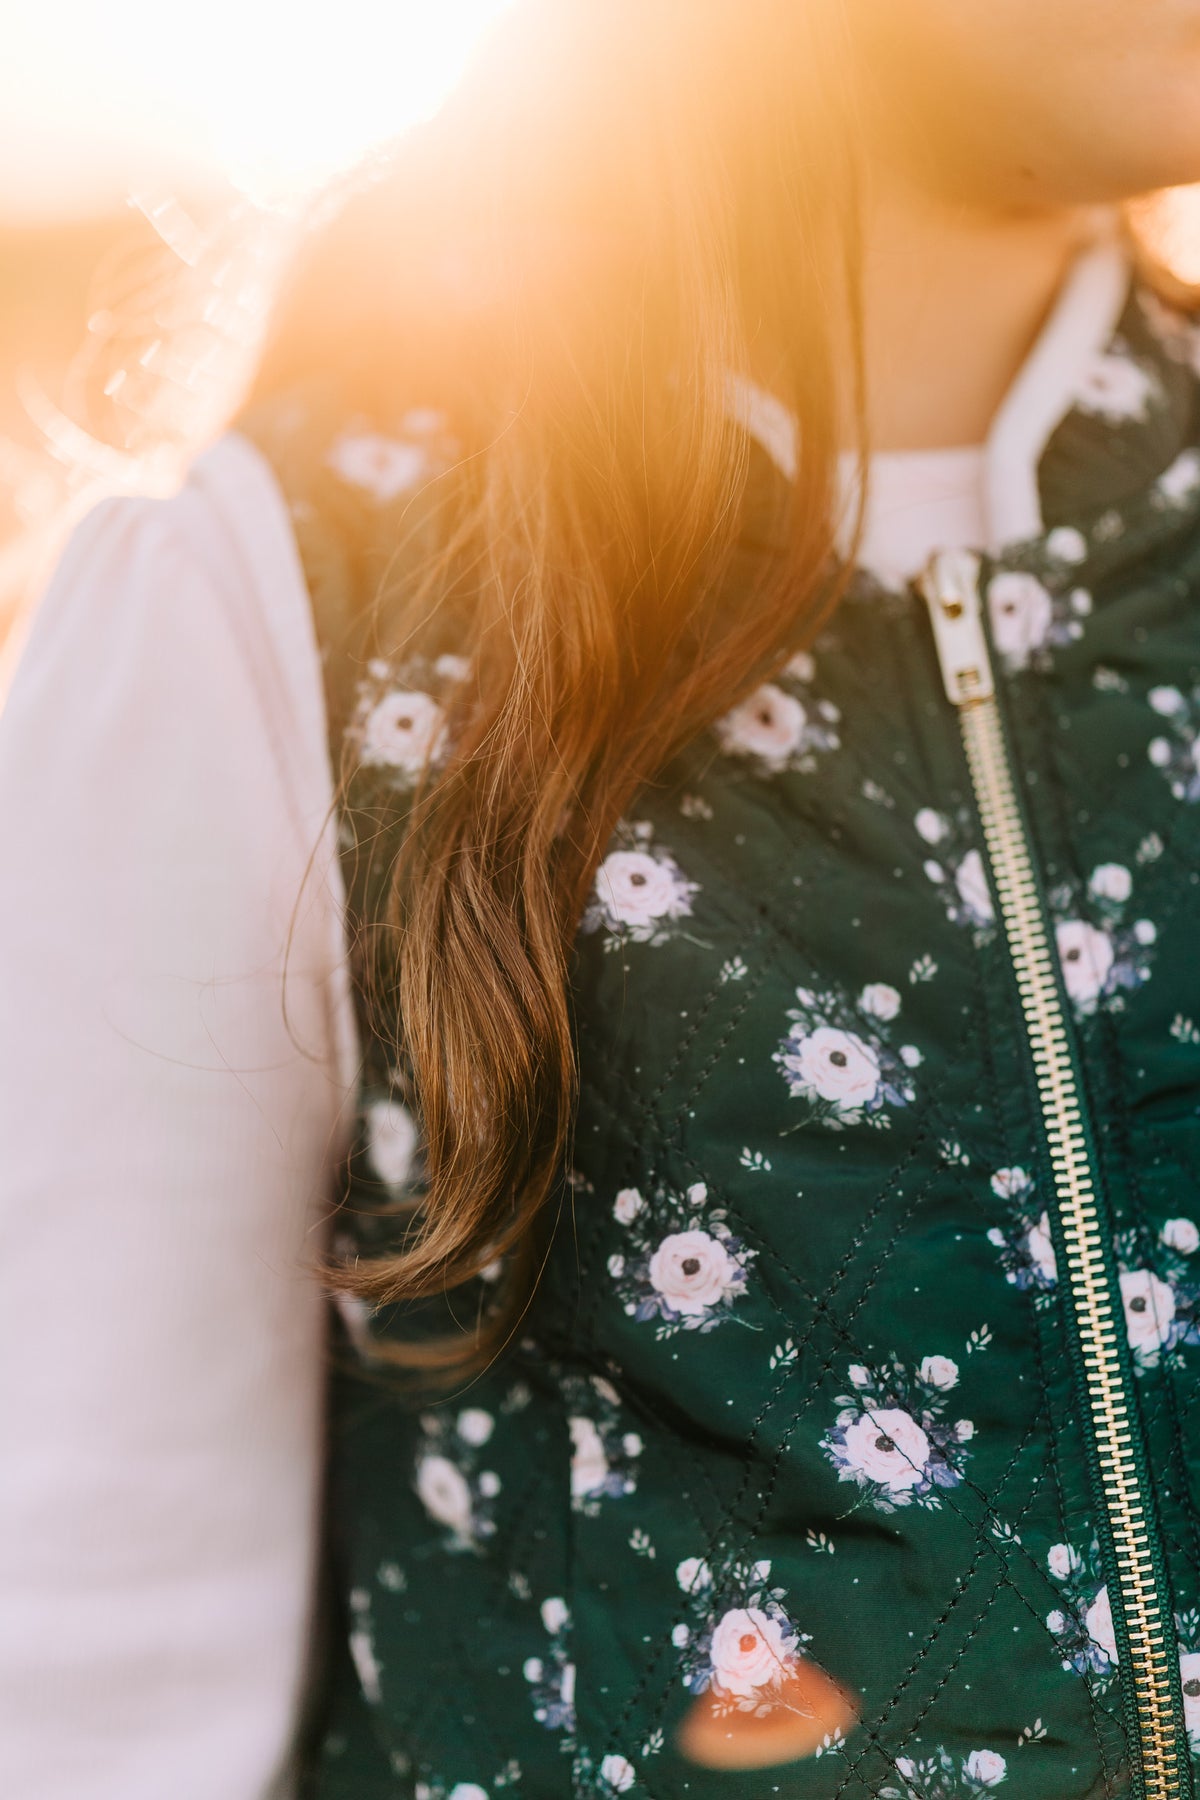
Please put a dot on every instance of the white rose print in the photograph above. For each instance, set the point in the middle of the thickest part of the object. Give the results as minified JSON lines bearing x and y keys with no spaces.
{"x":1087,"y":955}
{"x":1103,"y":957}
{"x":604,"y":1450}
{"x":455,"y":1490}
{"x":847,"y":1071}
{"x":943,"y":1776}
{"x":1033,"y":613}
{"x":551,"y":1676}
{"x":892,"y":1437}
{"x":1177,"y":751}
{"x":617,"y":1773}
{"x":689,"y":1278}
{"x":1082,"y":1625}
{"x":1189,"y":1674}
{"x":1117,"y":388}
{"x":399,"y":724}
{"x":740,"y":1643}
{"x":405,"y":731}
{"x":640,"y":893}
{"x":1024,"y":1240}
{"x":956,"y":868}
{"x":1160,"y":1293}
{"x":782,"y":725}
{"x":391,"y":1135}
{"x":1021,"y":613}
{"x":383,"y":466}
{"x":1179,"y":484}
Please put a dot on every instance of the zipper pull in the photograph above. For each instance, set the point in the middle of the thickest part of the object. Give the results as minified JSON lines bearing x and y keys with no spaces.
{"x":949,"y":586}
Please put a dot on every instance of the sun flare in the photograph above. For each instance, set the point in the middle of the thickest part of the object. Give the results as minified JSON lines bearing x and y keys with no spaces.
{"x":275,"y":96}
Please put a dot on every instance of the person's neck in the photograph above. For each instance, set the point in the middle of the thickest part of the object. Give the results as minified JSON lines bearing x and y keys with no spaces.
{"x":954,"y":297}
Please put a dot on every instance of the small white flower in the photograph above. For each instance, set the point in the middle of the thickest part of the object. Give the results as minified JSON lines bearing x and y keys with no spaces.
{"x":1021,"y":613}
{"x":801,"y":667}
{"x":405,"y":730}
{"x":931,"y":825}
{"x":1179,"y":483}
{"x":1056,"y":1621}
{"x":769,"y":724}
{"x":906,"y":1767}
{"x":1115,"y":388}
{"x":589,"y":1465}
{"x":1066,"y":545}
{"x":1145,"y":931}
{"x":1098,"y":1621}
{"x":987,"y":1767}
{"x":1166,"y":700}
{"x":627,"y":1205}
{"x":532,"y":1668}
{"x":631,"y":1444}
{"x":489,"y":1483}
{"x":1189,"y":1681}
{"x":1062,"y":1560}
{"x":452,"y":668}
{"x":939,"y":1371}
{"x":971,"y":882}
{"x":933,"y":869}
{"x":859,"y":1376}
{"x":880,"y":1000}
{"x":475,"y":1426}
{"x":467,"y":1790}
{"x":1041,"y":1249}
{"x":1006,"y":1183}
{"x":619,"y":1773}
{"x":380,"y":464}
{"x":1149,"y":1308}
{"x":1159,"y":752}
{"x":837,"y":1066}
{"x":889,"y":1447}
{"x":554,"y":1614}
{"x":366,"y":1664}
{"x":749,"y":1651}
{"x":692,"y":1271}
{"x":444,"y":1492}
{"x":910,"y":1056}
{"x":1081,"y":602}
{"x":1181,"y":1235}
{"x":391,"y":1141}
{"x":693,"y":1573}
{"x":680,"y":1634}
{"x":1111,"y":881}
{"x":636,"y":889}
{"x":1086,"y":955}
{"x":616,"y":1265}
{"x":964,"y":1430}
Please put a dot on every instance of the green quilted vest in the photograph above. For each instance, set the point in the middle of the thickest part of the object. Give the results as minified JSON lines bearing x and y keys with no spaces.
{"x":874,"y":1333}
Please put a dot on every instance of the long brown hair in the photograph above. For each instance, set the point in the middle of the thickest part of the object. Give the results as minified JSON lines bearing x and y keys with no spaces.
{"x":623,"y":207}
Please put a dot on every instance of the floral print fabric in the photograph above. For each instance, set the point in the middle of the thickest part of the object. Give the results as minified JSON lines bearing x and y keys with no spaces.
{"x":797,"y":1383}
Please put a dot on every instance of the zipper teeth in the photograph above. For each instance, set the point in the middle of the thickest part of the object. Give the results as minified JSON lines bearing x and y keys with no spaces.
{"x":1099,"y":1321}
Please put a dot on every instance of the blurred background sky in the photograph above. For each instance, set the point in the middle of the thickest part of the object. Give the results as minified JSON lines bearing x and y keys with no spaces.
{"x":126,"y":121}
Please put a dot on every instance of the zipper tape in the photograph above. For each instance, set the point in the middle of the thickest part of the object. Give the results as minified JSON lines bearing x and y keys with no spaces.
{"x":1150,"y":1675}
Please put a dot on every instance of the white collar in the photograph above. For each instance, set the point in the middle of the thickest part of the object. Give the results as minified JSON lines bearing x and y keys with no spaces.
{"x":1079,"y":327}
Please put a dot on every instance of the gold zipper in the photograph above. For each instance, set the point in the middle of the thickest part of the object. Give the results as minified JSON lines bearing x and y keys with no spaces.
{"x":950,"y":588}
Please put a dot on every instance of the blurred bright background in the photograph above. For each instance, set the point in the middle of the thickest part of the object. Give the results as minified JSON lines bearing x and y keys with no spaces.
{"x":142,"y":143}
{"x":153,"y":160}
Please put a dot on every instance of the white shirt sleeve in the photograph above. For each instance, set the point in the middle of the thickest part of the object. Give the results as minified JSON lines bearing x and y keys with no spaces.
{"x":176,"y":1050}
